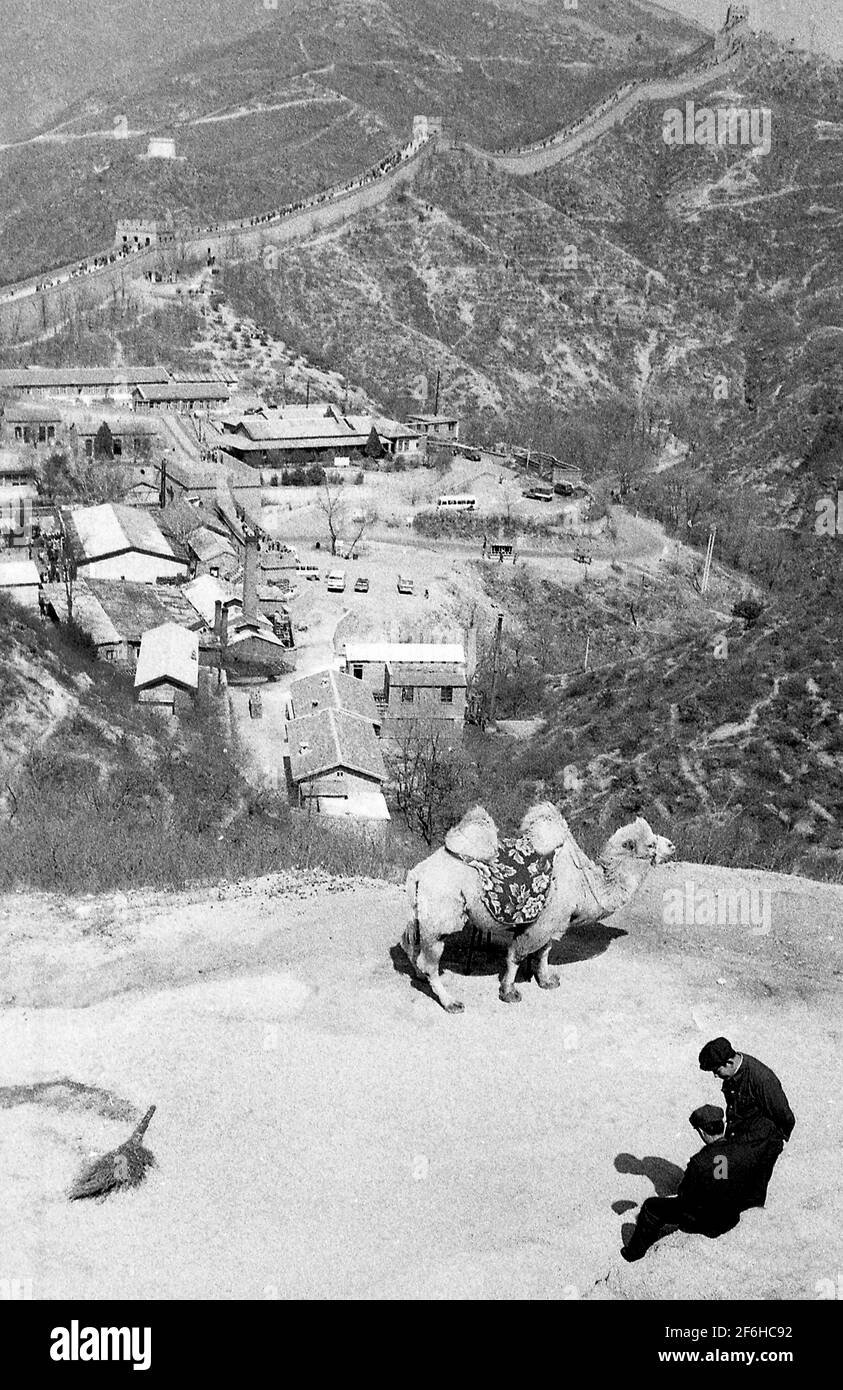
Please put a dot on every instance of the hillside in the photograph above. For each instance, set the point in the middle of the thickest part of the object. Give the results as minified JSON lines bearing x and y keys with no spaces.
{"x":317,"y":92}
{"x":323,"y":1129}
{"x":53,"y":52}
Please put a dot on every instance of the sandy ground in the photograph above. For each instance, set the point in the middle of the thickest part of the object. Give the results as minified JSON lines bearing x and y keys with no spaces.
{"x":324,"y":1129}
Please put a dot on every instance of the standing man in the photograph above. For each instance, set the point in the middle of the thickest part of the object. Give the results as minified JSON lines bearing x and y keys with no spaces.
{"x":718,"y":1184}
{"x":757,"y":1111}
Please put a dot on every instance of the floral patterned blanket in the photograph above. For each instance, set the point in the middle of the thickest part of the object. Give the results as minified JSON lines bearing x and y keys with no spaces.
{"x":516,"y":884}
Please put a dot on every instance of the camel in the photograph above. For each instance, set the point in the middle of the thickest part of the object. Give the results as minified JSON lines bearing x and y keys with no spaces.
{"x":446,"y":891}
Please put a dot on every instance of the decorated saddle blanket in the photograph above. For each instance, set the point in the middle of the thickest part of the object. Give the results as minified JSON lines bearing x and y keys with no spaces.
{"x":516,"y":884}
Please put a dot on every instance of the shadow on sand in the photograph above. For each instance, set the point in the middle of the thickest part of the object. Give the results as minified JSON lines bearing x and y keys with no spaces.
{"x":664,"y":1175}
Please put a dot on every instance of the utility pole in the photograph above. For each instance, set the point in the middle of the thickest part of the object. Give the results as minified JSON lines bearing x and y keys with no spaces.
{"x":494,"y":699}
{"x":307,"y":401}
{"x":587,"y":645}
{"x":707,"y":566}
{"x":436,"y":396}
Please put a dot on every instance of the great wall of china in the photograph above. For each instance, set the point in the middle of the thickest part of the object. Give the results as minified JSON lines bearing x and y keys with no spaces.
{"x":30,"y":309}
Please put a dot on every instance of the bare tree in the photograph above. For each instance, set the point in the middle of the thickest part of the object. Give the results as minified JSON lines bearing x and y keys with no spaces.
{"x":430,"y":776}
{"x":333,"y":505}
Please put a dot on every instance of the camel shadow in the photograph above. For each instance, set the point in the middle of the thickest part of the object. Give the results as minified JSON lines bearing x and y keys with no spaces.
{"x":402,"y":966}
{"x":487,"y":955}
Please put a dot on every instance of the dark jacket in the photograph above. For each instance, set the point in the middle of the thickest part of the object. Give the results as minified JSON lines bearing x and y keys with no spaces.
{"x":721,"y":1181}
{"x":755,"y":1100}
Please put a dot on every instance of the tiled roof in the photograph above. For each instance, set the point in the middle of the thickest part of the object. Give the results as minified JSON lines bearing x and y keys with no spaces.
{"x":88,"y":612}
{"x":426,"y":673}
{"x":332,"y":690}
{"x":203,"y":592}
{"x":184,"y":391}
{"x":209,"y":545}
{"x":333,"y":740}
{"x":112,"y":529}
{"x":13,"y":377}
{"x":404,"y":651}
{"x":31,"y":412}
{"x":134,"y":607}
{"x":170,"y":653}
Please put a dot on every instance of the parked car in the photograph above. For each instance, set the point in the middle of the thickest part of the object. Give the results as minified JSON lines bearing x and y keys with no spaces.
{"x":361,"y":585}
{"x":473,"y":455}
{"x":405,"y":586}
{"x":336,"y":581}
{"x":539,"y":494}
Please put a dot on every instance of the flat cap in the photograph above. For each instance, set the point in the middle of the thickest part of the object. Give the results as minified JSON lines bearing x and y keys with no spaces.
{"x":708,"y":1118}
{"x":715,"y":1054}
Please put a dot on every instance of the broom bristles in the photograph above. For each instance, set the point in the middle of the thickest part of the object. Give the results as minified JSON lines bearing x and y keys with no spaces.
{"x":123,"y":1167}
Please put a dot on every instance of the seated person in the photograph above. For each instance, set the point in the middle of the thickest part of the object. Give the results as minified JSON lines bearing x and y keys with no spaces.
{"x":719,"y":1183}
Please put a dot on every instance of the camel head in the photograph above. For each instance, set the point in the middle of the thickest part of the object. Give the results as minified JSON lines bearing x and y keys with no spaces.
{"x":638,"y":841}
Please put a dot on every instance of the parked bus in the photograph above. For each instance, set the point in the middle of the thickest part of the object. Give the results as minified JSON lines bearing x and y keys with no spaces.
{"x":457,"y":503}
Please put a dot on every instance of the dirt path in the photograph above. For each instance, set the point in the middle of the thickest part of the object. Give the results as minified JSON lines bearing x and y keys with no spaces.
{"x":324,"y":1129}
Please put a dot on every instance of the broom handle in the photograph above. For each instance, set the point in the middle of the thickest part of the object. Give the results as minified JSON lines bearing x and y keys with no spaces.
{"x":142,"y":1127}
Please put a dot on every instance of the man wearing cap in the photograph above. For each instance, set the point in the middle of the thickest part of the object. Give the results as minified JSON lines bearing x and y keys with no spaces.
{"x":718,"y":1184}
{"x":757,"y":1112}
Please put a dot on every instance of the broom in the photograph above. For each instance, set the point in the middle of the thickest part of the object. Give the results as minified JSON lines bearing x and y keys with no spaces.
{"x":121,"y":1168}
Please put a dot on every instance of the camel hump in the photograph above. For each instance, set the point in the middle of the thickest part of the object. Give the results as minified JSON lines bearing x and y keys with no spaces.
{"x":476,"y":836}
{"x":546,"y":827}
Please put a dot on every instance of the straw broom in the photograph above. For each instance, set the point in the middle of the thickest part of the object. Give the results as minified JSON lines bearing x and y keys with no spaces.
{"x":121,"y":1168}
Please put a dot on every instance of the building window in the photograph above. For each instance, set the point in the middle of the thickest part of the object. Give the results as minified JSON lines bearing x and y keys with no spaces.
{"x":407,"y":694}
{"x":446,"y":695}
{"x":357,"y":672}
{"x":215,"y":571}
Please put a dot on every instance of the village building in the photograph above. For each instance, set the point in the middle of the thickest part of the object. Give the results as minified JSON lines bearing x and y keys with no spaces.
{"x":206,"y":591}
{"x":20,"y":580}
{"x":116,"y":614}
{"x":330,"y":689}
{"x":431,"y":667}
{"x":431,"y":690}
{"x":131,"y":438}
{"x":298,"y":436}
{"x":18,"y":474}
{"x":115,"y":541}
{"x":253,"y":646}
{"x":436,"y":428}
{"x":82,"y":383}
{"x":31,"y":422}
{"x":336,"y":764}
{"x":395,"y":439}
{"x":251,"y":650}
{"x":167,"y":673}
{"x":212,"y":553}
{"x":183,"y":396}
{"x":203,"y":483}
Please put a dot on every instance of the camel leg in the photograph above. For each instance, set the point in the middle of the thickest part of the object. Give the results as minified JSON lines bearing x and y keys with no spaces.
{"x":545,"y":979}
{"x":507,"y":992}
{"x":428,"y":966}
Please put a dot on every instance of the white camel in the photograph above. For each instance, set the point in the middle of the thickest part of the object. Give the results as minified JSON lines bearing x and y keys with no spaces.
{"x":446,"y":891}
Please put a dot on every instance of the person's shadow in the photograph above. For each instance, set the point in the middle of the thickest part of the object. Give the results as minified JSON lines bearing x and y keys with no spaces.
{"x":664,"y":1175}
